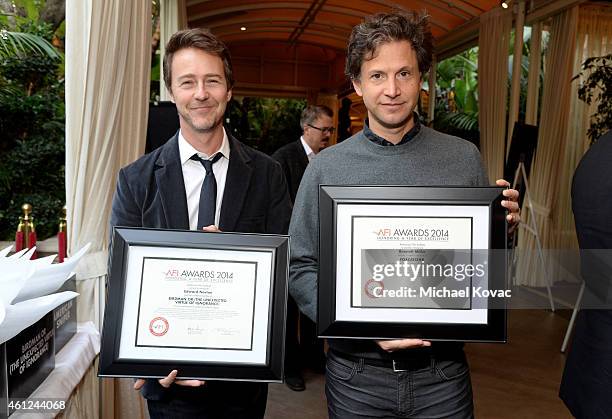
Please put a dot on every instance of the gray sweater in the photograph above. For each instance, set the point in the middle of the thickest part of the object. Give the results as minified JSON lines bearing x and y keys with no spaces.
{"x":429,"y":159}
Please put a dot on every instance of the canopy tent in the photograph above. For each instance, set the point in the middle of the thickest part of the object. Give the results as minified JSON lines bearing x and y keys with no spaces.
{"x":291,"y":47}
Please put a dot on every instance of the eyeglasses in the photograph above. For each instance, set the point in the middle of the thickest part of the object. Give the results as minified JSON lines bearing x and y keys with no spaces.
{"x":329,"y":130}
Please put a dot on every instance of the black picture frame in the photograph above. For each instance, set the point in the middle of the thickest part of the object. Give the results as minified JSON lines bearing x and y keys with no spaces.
{"x":331,"y":196}
{"x":124,"y":238}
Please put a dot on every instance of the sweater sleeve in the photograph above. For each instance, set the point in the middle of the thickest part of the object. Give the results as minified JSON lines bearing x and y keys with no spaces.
{"x":481,"y":177}
{"x":304,"y":232}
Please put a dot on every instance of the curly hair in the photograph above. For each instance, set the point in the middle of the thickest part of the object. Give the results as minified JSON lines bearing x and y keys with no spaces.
{"x":380,"y":28}
{"x":203,"y":40}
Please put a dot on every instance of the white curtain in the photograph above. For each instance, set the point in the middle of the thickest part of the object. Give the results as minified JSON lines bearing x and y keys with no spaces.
{"x":545,"y":184}
{"x":493,"y":41}
{"x":108,"y":50}
{"x":594,"y":40}
{"x":107,"y":88}
{"x":84,"y":402}
{"x":172,"y":17}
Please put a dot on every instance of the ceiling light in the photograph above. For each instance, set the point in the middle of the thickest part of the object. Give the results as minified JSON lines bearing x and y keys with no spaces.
{"x":243,"y":28}
{"x":505,"y":4}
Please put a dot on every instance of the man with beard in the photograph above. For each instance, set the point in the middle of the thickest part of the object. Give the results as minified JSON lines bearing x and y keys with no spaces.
{"x":202,"y":179}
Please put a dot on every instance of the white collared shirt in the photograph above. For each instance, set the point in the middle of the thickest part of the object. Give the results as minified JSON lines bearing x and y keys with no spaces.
{"x":194,"y":174}
{"x":309,"y":153}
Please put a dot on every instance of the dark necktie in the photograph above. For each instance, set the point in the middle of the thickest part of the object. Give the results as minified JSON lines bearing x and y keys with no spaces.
{"x":208,"y":193}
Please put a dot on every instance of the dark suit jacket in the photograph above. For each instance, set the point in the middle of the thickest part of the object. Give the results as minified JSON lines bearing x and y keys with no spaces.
{"x":587,"y":380}
{"x":151,"y":193}
{"x":293,"y":160}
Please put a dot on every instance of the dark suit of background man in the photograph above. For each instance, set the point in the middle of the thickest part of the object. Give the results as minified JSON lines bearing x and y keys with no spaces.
{"x":317,"y":126}
{"x":165,"y":189}
{"x":344,"y":120}
{"x":586,"y":388}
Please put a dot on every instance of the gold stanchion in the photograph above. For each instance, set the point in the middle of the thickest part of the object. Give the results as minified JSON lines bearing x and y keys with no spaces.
{"x":28,"y":225}
{"x":29,"y":233}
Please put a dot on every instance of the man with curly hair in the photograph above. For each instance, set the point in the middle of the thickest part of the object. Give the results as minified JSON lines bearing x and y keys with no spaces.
{"x":387,"y":57}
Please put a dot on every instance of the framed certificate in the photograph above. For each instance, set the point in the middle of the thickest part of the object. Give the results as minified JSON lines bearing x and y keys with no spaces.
{"x":412,"y":262}
{"x":210,"y":305}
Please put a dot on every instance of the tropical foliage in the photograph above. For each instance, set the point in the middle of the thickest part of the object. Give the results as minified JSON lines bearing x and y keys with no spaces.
{"x":457,"y":95}
{"x":596,"y":86}
{"x":20,"y":44}
{"x":265,"y":123}
{"x":31,"y":120}
{"x":457,"y":89}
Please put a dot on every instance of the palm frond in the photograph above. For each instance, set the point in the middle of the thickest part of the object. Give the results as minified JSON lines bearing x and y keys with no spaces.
{"x":462,"y":120}
{"x":20,"y":44}
{"x":8,"y":92}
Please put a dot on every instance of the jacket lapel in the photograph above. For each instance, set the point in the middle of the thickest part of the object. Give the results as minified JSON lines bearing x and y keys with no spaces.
{"x":171,"y":187}
{"x":302,"y":153}
{"x":236,"y":186}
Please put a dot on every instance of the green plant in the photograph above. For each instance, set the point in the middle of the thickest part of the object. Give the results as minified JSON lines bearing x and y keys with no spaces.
{"x":21,"y":44}
{"x":596,"y":85}
{"x":31,"y":130}
{"x":265,"y":123}
{"x":457,"y":103}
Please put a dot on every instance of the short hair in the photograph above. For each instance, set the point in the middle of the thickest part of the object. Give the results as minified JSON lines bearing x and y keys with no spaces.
{"x":312,"y":112}
{"x":203,"y":40}
{"x":381,"y":28}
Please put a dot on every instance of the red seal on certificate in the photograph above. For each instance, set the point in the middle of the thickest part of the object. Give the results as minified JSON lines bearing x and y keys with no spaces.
{"x":158,"y":326}
{"x":371,"y":285}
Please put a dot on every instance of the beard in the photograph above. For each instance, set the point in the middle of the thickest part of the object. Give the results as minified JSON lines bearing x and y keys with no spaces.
{"x":204,"y":124}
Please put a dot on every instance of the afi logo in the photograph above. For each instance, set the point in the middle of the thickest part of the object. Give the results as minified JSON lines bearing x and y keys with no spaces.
{"x":383,"y":232}
{"x":172,"y":272}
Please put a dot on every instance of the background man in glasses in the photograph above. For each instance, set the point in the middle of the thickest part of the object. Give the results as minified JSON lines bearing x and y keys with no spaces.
{"x":317,"y":127}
